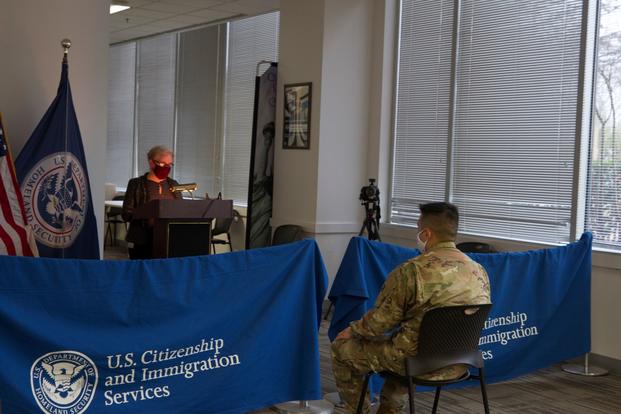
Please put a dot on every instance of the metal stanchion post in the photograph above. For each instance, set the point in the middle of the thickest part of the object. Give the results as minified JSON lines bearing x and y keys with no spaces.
{"x":586,"y":369}
{"x":305,"y":407}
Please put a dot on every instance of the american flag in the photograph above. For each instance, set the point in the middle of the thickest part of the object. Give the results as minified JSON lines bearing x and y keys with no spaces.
{"x":16,"y":238}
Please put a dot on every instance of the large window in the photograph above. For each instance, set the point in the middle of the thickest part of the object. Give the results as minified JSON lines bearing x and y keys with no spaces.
{"x":250,"y":41}
{"x":192,"y":91}
{"x":198,"y":144}
{"x":604,"y":180}
{"x":423,"y":101}
{"x":121,"y":102}
{"x":487,"y":110}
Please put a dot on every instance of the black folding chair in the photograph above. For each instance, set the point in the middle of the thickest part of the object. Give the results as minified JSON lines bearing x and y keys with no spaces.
{"x":222,"y":226}
{"x":476,"y":247}
{"x":287,"y":233}
{"x":448,"y":336}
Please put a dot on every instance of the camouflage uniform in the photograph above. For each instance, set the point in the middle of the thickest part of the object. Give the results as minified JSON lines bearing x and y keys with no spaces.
{"x":388,"y":333}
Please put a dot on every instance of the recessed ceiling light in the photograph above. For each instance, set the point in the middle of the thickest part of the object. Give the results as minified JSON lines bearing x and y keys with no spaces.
{"x":115,"y":8}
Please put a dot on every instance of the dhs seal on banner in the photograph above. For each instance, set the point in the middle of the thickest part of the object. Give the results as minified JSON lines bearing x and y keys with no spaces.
{"x":63,"y":381}
{"x":55,"y":194}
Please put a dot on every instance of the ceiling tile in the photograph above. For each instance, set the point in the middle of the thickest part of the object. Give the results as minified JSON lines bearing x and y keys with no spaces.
{"x":140,"y":12}
{"x":173,"y":8}
{"x":115,"y":38}
{"x":127,"y":22}
{"x":249,"y":7}
{"x":211,"y":15}
{"x":133,"y":33}
{"x":201,"y":4}
{"x":150,"y":17}
{"x":165,"y":25}
{"x":116,"y":26}
{"x":135,"y":3}
{"x":189,"y":20}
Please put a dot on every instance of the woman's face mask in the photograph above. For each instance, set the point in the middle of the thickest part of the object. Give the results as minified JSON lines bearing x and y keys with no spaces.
{"x":160,"y":169}
{"x":161,"y":172}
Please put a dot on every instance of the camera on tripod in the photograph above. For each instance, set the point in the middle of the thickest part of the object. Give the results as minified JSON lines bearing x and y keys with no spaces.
{"x":369,"y":193}
{"x":370,"y":199}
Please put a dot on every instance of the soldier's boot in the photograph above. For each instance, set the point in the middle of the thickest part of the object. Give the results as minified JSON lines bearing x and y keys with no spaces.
{"x":393,"y":398}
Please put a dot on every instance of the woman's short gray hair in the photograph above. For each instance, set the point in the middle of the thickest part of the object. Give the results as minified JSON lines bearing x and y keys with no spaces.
{"x":158,"y":150}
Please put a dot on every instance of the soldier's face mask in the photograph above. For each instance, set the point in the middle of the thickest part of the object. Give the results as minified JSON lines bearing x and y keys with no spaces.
{"x":422,"y":245}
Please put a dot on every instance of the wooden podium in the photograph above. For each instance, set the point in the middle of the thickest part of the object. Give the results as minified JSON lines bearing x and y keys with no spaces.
{"x":182,"y":227}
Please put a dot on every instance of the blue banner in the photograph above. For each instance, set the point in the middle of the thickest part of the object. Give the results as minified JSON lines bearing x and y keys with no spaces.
{"x":51,"y":169}
{"x":541,"y":311}
{"x":213,"y":334}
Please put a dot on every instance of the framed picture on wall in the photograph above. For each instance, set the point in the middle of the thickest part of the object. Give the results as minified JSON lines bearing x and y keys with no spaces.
{"x":297,"y":119}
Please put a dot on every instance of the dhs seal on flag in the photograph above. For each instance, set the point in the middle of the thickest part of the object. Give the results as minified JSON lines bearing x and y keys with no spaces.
{"x":63,"y":381}
{"x":55,"y":194}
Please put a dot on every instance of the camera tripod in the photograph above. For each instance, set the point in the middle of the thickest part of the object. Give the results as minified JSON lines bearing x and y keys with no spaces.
{"x":369,"y":196}
{"x":371,"y":222}
{"x":371,"y":225}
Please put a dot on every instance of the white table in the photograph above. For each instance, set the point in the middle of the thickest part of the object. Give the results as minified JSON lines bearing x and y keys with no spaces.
{"x":111,"y":226}
{"x":114,"y":203}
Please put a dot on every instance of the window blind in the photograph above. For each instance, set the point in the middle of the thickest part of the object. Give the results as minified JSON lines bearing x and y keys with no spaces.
{"x":198,"y":99}
{"x":515,"y":118}
{"x":422,"y":107}
{"x":511,"y":147}
{"x":121,"y":87}
{"x":155,"y":120}
{"x":250,"y":41}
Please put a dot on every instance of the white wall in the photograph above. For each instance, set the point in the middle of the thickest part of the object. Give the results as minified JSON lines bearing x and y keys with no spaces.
{"x":346,"y":75}
{"x":331,"y":44}
{"x":30,"y":35}
{"x":382,"y":88}
{"x":606,"y":312}
{"x":300,"y":60}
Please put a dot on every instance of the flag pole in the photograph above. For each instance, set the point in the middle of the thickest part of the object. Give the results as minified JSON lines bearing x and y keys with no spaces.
{"x":66,"y":44}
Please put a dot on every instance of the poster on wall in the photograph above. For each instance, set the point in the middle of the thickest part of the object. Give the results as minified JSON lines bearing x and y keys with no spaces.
{"x":297,"y":116}
{"x":261,"y":182}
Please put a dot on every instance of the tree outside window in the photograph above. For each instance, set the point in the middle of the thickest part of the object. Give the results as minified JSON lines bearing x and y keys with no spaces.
{"x":604,"y":180}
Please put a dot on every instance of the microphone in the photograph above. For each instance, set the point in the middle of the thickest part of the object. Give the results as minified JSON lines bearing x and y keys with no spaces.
{"x":184,"y":187}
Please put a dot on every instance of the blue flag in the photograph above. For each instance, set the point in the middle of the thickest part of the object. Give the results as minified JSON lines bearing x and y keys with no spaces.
{"x":54,"y":181}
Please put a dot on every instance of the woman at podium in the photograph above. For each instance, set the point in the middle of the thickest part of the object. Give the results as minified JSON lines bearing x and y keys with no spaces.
{"x":153,"y":185}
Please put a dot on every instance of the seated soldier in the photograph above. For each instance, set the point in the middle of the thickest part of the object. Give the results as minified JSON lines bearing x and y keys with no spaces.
{"x":387,"y":334}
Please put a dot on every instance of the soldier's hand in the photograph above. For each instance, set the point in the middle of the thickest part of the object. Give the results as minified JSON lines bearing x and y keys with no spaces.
{"x":344,"y":334}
